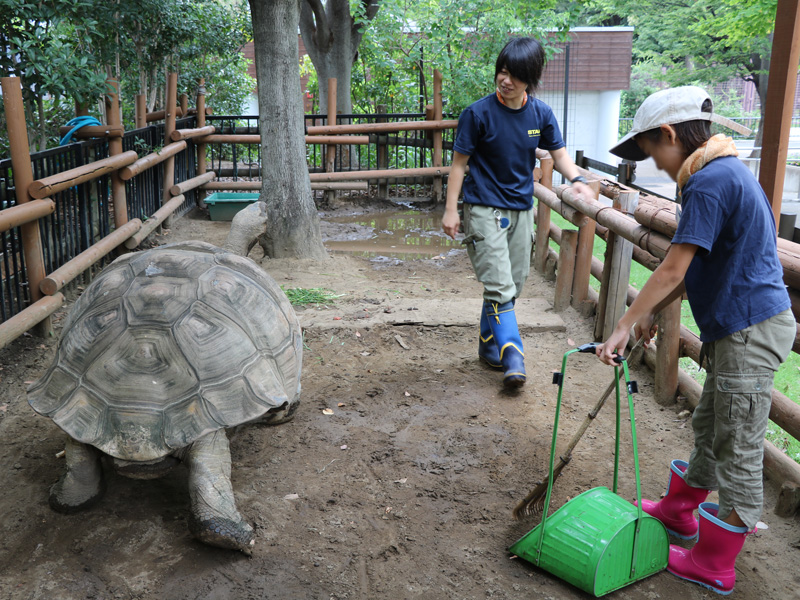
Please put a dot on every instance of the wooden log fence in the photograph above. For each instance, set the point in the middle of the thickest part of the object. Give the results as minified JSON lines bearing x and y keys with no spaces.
{"x":48,"y":186}
{"x":382,"y":127}
{"x":152,"y":159}
{"x":154,"y":221}
{"x":186,"y":134}
{"x":25,"y":213}
{"x":256,"y":185}
{"x":93,"y":131}
{"x":255,"y":139}
{"x":71,"y":269}
{"x":28,"y":318}
{"x":190,"y":184}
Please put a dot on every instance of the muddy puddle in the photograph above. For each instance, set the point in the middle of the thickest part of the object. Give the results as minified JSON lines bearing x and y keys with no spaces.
{"x":400,"y":235}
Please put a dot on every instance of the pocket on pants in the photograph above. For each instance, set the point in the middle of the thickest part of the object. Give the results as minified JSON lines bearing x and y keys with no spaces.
{"x":737,"y":395}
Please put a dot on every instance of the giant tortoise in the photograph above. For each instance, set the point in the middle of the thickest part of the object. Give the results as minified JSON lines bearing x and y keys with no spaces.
{"x":162,"y":352}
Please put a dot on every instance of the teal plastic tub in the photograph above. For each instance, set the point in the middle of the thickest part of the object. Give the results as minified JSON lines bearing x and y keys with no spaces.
{"x":222,"y":206}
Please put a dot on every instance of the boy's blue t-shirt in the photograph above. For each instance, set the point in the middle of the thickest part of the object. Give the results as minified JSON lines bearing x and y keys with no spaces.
{"x":501,"y":143}
{"x":735,"y":280}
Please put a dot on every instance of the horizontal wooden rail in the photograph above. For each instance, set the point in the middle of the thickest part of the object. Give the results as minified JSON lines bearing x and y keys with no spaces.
{"x":232,"y":185}
{"x":340,"y":185}
{"x":343,"y":140}
{"x":250,"y":138}
{"x":653,"y":242}
{"x":25,"y":213}
{"x":154,"y":221}
{"x":256,"y":185}
{"x":70,"y":270}
{"x":230,"y":138}
{"x":382,"y":127}
{"x":379,"y":174}
{"x":26,"y":319}
{"x":160,"y":115}
{"x":190,"y":184}
{"x":185,"y":134}
{"x":551,"y":199}
{"x":151,"y":160}
{"x":92,"y":131}
{"x":47,"y":186}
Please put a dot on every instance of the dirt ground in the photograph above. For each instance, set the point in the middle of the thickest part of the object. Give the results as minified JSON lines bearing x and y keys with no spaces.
{"x":405,"y":491}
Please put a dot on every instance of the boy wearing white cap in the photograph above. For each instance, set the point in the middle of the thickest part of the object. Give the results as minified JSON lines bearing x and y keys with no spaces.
{"x":724,"y":257}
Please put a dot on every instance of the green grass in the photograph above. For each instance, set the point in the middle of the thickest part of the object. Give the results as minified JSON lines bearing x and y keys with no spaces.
{"x":303,"y":296}
{"x":787,"y":379}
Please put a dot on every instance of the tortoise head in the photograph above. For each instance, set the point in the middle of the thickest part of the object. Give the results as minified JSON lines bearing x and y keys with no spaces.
{"x":246,"y":227}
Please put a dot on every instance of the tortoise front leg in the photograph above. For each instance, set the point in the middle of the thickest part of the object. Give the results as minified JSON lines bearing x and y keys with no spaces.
{"x":214,"y":519}
{"x":82,"y":485}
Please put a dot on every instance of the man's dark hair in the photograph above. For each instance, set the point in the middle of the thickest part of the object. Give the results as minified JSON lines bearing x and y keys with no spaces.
{"x":691,"y":134}
{"x":524,"y":59}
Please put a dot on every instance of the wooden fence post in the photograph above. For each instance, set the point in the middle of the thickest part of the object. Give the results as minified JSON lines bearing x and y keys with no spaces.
{"x":383,"y":155}
{"x":668,"y":351}
{"x":616,"y":273}
{"x":566,"y":269}
{"x":543,"y":217}
{"x":141,"y":111}
{"x":330,"y":152}
{"x":437,"y":135}
{"x":542,"y":242}
{"x":23,"y":177}
{"x":169,"y":127}
{"x":201,"y":146}
{"x":119,"y":200}
{"x":583,"y":261}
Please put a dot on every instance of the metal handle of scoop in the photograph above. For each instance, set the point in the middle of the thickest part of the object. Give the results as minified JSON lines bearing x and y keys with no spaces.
{"x":631,"y":388}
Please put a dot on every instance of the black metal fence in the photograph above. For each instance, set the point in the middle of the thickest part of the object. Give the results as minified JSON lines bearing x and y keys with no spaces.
{"x":403,"y":150}
{"x":84,"y":213}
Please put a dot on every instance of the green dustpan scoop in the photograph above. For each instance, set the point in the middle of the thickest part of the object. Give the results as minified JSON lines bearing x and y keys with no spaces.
{"x":597,"y":541}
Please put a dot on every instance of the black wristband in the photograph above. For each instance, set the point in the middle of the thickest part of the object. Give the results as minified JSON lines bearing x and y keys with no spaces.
{"x":580,"y":178}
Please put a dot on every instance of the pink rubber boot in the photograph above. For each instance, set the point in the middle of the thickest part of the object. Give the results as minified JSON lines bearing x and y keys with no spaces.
{"x":712,"y":560}
{"x":676,"y":509}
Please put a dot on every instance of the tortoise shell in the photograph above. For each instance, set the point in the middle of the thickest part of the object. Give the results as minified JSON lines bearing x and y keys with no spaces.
{"x":168,"y":345}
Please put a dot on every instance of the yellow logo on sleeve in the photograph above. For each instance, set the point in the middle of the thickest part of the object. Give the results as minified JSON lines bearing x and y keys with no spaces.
{"x":534,"y":133}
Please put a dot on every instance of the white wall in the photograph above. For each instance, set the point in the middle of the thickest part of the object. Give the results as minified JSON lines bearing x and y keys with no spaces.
{"x":592,"y":121}
{"x":250,"y":107}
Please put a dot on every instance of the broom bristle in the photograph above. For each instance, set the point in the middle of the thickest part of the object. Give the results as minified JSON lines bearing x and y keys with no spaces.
{"x":533,"y":503}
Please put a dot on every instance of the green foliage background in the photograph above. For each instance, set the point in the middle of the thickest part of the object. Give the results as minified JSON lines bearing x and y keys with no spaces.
{"x":64,"y":50}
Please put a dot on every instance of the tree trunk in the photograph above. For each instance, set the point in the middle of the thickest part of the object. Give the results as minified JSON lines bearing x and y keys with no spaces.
{"x":293,"y":225}
{"x":331,"y":37}
{"x":331,"y":41}
{"x":760,"y":80}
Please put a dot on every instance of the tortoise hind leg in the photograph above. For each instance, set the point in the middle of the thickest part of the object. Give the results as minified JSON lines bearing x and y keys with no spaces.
{"x":214,"y":518}
{"x":82,"y":485}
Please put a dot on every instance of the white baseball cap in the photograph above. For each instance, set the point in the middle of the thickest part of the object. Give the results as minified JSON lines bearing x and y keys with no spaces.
{"x":668,"y":107}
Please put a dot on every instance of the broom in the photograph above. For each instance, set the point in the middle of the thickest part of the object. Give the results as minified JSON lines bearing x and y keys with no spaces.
{"x":533,"y":503}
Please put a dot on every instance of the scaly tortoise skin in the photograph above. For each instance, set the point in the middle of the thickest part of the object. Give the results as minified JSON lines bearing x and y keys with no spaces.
{"x":162,"y":352}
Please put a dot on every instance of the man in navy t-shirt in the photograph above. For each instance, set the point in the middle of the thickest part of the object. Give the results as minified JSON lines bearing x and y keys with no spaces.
{"x":498,"y":136}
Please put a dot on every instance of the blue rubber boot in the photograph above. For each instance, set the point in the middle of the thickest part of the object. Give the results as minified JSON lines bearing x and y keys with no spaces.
{"x":488,"y":351}
{"x":503,"y":322}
